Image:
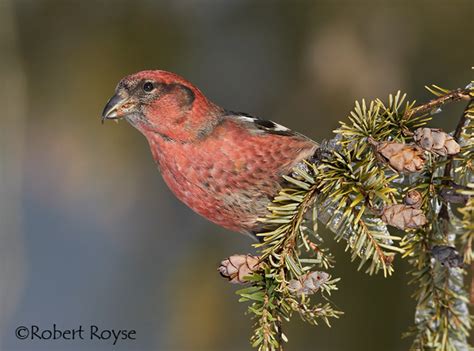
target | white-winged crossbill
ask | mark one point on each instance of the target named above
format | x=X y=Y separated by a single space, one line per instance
x=226 y=166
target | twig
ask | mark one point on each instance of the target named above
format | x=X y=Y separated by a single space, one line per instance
x=280 y=334
x=290 y=242
x=447 y=170
x=455 y=95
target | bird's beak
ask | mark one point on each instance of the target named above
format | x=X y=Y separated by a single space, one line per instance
x=116 y=107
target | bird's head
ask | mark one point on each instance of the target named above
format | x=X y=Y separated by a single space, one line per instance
x=163 y=103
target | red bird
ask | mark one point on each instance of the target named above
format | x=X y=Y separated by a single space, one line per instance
x=226 y=166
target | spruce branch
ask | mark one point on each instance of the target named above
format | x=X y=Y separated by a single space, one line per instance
x=442 y=320
x=443 y=97
x=383 y=169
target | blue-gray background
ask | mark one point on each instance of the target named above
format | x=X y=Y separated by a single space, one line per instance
x=89 y=234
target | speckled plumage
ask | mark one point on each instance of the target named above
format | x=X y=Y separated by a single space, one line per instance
x=225 y=166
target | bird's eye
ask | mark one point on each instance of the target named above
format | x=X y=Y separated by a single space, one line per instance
x=148 y=87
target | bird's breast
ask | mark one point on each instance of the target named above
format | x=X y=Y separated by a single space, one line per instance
x=228 y=179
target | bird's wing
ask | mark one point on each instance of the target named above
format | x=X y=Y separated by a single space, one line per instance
x=263 y=126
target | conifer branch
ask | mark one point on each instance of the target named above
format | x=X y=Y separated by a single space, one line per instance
x=443 y=96
x=384 y=168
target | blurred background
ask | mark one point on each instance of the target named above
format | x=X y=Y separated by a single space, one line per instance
x=89 y=233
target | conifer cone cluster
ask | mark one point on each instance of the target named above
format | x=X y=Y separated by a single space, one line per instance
x=401 y=157
x=237 y=267
x=407 y=215
x=413 y=198
x=308 y=283
x=436 y=141
x=447 y=256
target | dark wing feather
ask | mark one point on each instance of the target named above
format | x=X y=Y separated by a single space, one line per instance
x=262 y=125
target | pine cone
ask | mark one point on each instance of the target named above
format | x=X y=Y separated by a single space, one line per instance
x=403 y=216
x=237 y=267
x=413 y=198
x=436 y=141
x=308 y=283
x=447 y=256
x=402 y=157
x=451 y=194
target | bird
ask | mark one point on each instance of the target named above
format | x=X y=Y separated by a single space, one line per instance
x=226 y=166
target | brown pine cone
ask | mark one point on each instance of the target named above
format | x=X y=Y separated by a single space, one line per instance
x=237 y=267
x=402 y=157
x=436 y=141
x=308 y=283
x=403 y=216
x=413 y=198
